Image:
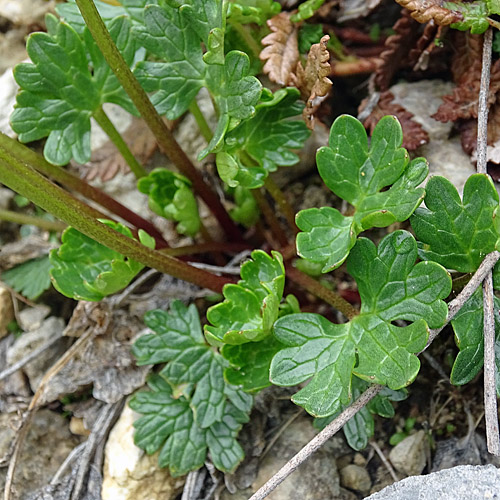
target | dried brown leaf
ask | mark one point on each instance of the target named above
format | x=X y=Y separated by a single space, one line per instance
x=413 y=133
x=467 y=54
x=462 y=103
x=419 y=55
x=313 y=81
x=281 y=51
x=397 y=49
x=425 y=10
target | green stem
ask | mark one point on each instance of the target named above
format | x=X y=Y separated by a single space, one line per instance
x=247 y=37
x=106 y=124
x=205 y=130
x=282 y=202
x=73 y=182
x=27 y=182
x=48 y=225
x=318 y=290
x=154 y=121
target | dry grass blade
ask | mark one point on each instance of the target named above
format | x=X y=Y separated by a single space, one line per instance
x=313 y=81
x=281 y=51
x=425 y=10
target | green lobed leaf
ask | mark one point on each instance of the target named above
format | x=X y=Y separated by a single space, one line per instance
x=170 y=196
x=309 y=34
x=252 y=11
x=263 y=142
x=191 y=407
x=306 y=10
x=493 y=6
x=31 y=278
x=475 y=16
x=458 y=234
x=250 y=363
x=360 y=428
x=391 y=287
x=468 y=327
x=358 y=174
x=251 y=307
x=86 y=270
x=180 y=73
x=246 y=210
x=59 y=92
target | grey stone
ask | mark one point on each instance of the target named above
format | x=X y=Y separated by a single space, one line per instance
x=30 y=341
x=130 y=474
x=423 y=99
x=409 y=456
x=355 y=478
x=470 y=482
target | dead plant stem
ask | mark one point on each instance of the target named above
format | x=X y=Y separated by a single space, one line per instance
x=490 y=397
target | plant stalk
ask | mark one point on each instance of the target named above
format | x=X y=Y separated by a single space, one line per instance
x=280 y=198
x=270 y=217
x=18 y=218
x=106 y=124
x=163 y=135
x=318 y=290
x=29 y=183
x=73 y=182
x=205 y=130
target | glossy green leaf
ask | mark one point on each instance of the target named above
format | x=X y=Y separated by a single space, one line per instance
x=30 y=278
x=236 y=94
x=358 y=174
x=468 y=328
x=475 y=16
x=260 y=144
x=370 y=346
x=171 y=196
x=250 y=363
x=86 y=270
x=251 y=307
x=457 y=234
x=60 y=91
x=252 y=11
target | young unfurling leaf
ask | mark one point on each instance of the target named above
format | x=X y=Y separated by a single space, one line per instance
x=369 y=346
x=358 y=174
x=170 y=196
x=86 y=270
x=251 y=307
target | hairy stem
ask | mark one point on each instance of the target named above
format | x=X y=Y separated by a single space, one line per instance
x=318 y=290
x=29 y=183
x=205 y=130
x=270 y=217
x=280 y=198
x=74 y=183
x=163 y=135
x=18 y=218
x=106 y=124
